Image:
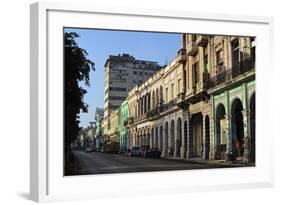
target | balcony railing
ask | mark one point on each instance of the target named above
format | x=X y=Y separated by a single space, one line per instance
x=181 y=56
x=227 y=74
x=180 y=97
x=161 y=108
x=167 y=106
x=202 y=40
x=153 y=113
x=192 y=48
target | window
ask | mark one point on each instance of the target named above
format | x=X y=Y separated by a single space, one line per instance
x=219 y=57
x=167 y=94
x=193 y=38
x=206 y=63
x=195 y=73
x=116 y=98
x=172 y=91
x=253 y=48
x=205 y=60
x=235 y=52
x=117 y=89
x=179 y=86
x=135 y=73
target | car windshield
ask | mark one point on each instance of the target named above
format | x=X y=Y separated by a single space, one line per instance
x=135 y=148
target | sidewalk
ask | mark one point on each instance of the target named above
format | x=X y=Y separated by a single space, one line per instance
x=237 y=163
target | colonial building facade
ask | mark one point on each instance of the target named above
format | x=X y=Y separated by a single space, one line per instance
x=202 y=104
x=123 y=117
x=122 y=73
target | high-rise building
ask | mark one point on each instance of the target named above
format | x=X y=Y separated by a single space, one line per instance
x=122 y=73
x=99 y=114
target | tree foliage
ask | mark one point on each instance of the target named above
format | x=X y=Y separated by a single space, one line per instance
x=77 y=69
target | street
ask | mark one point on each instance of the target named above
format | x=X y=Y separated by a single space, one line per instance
x=102 y=163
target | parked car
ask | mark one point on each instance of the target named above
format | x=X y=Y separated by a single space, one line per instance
x=111 y=147
x=89 y=149
x=135 y=151
x=152 y=153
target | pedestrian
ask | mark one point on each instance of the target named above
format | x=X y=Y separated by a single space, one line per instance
x=238 y=148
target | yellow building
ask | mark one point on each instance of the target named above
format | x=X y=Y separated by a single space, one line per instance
x=113 y=132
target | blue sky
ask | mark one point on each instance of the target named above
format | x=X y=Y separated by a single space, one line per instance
x=159 y=47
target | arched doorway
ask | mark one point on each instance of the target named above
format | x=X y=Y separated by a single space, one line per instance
x=156 y=138
x=172 y=138
x=179 y=137
x=161 y=94
x=207 y=137
x=161 y=139
x=197 y=134
x=237 y=128
x=147 y=138
x=253 y=128
x=220 y=132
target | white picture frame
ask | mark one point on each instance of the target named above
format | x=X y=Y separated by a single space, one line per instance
x=47 y=182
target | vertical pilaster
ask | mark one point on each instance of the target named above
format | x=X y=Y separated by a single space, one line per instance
x=228 y=152
x=183 y=147
x=165 y=143
x=189 y=151
x=159 y=137
x=151 y=138
x=155 y=138
x=246 y=135
x=176 y=137
x=204 y=138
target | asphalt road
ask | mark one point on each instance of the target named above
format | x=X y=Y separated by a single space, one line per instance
x=102 y=163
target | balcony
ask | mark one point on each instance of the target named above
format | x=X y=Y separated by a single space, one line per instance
x=181 y=56
x=202 y=40
x=180 y=99
x=168 y=106
x=228 y=74
x=153 y=113
x=192 y=48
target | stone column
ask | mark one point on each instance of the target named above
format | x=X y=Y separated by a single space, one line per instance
x=183 y=147
x=151 y=138
x=155 y=138
x=246 y=118
x=228 y=152
x=159 y=137
x=140 y=141
x=170 y=136
x=165 y=142
x=204 y=138
x=177 y=138
x=189 y=151
x=211 y=142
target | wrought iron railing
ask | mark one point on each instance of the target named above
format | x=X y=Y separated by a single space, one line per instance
x=227 y=74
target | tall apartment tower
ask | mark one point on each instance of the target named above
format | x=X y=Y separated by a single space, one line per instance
x=122 y=73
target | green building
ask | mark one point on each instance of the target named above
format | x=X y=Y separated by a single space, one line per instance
x=123 y=116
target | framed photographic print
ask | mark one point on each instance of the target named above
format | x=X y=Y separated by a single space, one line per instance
x=123 y=97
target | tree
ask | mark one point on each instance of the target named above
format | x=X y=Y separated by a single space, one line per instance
x=77 y=68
